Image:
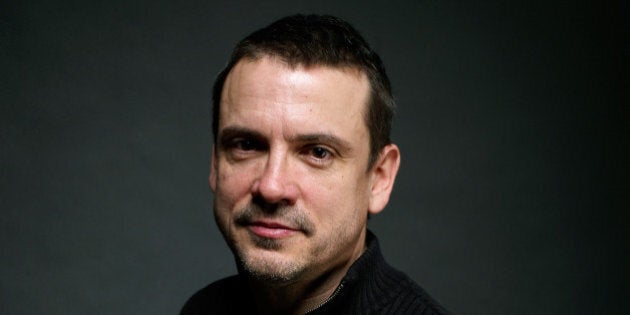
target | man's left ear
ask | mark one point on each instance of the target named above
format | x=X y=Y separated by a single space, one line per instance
x=383 y=175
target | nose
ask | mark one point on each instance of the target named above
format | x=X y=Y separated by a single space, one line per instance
x=277 y=182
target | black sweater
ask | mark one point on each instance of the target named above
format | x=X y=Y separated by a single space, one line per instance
x=371 y=286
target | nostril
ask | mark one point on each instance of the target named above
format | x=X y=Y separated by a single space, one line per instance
x=264 y=205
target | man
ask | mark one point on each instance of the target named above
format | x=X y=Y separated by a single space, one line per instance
x=301 y=158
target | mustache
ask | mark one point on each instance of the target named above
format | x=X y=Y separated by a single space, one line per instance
x=290 y=216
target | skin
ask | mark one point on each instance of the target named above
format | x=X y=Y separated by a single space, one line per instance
x=288 y=171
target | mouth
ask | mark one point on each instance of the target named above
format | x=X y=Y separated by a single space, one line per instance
x=271 y=229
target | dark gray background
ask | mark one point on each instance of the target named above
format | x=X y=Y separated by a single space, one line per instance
x=512 y=122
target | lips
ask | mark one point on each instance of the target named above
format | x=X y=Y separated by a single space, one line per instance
x=270 y=229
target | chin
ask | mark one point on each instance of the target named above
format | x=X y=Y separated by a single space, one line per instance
x=269 y=265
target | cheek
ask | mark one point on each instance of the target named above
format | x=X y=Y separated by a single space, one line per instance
x=338 y=197
x=233 y=185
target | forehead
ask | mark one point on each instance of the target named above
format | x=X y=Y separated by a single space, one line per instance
x=269 y=88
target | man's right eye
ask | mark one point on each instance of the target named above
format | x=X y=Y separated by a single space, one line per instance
x=242 y=148
x=244 y=144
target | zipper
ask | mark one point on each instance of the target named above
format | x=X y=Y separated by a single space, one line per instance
x=332 y=296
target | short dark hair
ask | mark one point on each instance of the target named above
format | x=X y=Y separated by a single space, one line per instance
x=326 y=40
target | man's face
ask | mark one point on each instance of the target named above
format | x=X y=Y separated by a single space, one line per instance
x=289 y=175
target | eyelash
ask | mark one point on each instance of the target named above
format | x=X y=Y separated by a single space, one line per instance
x=321 y=150
x=316 y=158
x=245 y=144
x=242 y=147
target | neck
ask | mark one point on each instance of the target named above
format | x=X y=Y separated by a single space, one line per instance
x=294 y=298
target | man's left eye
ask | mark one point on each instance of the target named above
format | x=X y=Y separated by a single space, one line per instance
x=320 y=153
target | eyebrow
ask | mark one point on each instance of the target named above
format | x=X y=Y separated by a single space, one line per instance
x=234 y=131
x=228 y=132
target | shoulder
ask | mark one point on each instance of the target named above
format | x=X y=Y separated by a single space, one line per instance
x=387 y=290
x=224 y=296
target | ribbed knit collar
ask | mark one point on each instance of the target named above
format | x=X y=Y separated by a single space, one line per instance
x=369 y=282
